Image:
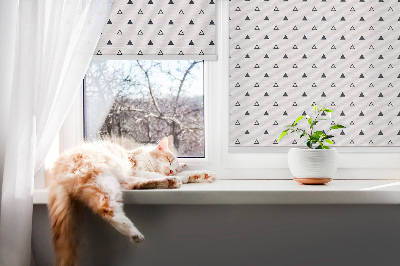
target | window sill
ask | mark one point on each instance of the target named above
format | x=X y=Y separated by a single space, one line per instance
x=264 y=192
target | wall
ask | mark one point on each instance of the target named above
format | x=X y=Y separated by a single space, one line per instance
x=237 y=235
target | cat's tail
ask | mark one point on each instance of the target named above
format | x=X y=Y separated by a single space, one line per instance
x=62 y=212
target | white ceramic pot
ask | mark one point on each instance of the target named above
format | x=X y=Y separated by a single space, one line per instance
x=310 y=166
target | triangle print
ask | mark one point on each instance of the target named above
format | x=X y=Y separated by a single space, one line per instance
x=343 y=55
x=184 y=28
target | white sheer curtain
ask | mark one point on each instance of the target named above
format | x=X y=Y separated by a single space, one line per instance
x=55 y=40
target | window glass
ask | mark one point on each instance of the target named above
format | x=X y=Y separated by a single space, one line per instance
x=140 y=102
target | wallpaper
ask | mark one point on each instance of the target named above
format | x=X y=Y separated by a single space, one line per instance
x=286 y=56
x=160 y=27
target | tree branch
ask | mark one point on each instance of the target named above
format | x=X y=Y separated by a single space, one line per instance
x=146 y=73
x=182 y=81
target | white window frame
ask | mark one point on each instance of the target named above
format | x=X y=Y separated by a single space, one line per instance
x=353 y=164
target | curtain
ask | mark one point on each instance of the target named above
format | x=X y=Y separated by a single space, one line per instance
x=55 y=41
x=159 y=29
x=287 y=56
x=8 y=19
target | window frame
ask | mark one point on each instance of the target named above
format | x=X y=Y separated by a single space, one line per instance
x=189 y=159
x=245 y=164
x=271 y=157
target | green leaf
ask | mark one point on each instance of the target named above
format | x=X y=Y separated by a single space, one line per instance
x=319 y=133
x=314 y=137
x=303 y=134
x=289 y=126
x=327 y=137
x=297 y=120
x=315 y=108
x=337 y=126
x=328 y=110
x=309 y=143
x=312 y=123
x=322 y=147
x=329 y=141
x=283 y=134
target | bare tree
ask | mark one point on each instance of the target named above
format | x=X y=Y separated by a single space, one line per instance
x=141 y=109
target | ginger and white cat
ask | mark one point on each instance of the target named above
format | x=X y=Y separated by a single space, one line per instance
x=94 y=175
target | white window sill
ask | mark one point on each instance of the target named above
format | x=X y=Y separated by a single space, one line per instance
x=264 y=192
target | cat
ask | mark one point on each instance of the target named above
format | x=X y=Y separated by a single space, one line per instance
x=94 y=174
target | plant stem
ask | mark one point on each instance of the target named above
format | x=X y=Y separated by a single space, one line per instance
x=299 y=129
x=319 y=112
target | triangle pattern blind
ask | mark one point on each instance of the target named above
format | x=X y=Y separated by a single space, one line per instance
x=286 y=56
x=159 y=29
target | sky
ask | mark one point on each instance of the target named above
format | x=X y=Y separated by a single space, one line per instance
x=197 y=83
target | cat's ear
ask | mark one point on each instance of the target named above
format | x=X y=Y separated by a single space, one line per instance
x=163 y=145
x=171 y=146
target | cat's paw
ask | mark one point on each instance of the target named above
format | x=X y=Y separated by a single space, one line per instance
x=210 y=177
x=174 y=182
x=201 y=176
x=137 y=237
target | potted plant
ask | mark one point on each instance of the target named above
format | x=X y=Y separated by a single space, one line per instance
x=317 y=163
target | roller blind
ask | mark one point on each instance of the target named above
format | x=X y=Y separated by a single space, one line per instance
x=288 y=55
x=159 y=29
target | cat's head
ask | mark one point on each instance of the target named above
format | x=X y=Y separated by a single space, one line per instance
x=165 y=162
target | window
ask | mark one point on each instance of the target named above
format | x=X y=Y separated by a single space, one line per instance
x=141 y=101
x=214 y=139
x=288 y=56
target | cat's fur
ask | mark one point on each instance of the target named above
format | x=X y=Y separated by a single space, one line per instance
x=94 y=174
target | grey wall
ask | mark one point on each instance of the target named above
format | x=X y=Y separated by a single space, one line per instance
x=237 y=235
